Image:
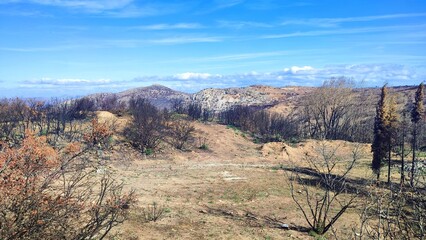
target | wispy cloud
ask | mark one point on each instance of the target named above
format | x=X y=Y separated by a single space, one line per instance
x=118 y=43
x=335 y=22
x=67 y=87
x=110 y=8
x=247 y=56
x=67 y=82
x=144 y=10
x=165 y=26
x=40 y=49
x=243 y=24
x=185 y=40
x=220 y=5
x=92 y=5
x=241 y=56
x=275 y=4
x=23 y=13
x=343 y=31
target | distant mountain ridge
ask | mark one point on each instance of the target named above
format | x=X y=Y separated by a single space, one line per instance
x=160 y=96
x=282 y=99
x=214 y=99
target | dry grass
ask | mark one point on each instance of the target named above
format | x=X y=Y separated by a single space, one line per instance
x=234 y=174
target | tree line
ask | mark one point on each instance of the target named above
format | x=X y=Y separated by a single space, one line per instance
x=393 y=129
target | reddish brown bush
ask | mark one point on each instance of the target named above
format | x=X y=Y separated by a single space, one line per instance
x=99 y=133
x=47 y=195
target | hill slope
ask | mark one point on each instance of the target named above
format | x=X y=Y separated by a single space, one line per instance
x=160 y=96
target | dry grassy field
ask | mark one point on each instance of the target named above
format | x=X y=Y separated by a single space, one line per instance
x=233 y=189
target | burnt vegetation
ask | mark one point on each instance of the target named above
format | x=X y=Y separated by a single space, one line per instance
x=54 y=183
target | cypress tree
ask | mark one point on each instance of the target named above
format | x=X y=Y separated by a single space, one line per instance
x=416 y=115
x=392 y=120
x=379 y=142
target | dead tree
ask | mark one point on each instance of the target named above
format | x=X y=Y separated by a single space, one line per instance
x=180 y=132
x=320 y=191
x=147 y=129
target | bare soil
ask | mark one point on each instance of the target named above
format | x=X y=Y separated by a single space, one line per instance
x=235 y=189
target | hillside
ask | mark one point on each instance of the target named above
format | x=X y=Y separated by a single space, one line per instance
x=160 y=96
x=265 y=96
x=278 y=99
x=207 y=193
x=229 y=180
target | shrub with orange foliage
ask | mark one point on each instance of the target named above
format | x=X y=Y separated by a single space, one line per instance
x=99 y=133
x=46 y=195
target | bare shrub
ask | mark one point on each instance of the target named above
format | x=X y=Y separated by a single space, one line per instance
x=153 y=212
x=395 y=213
x=202 y=143
x=180 y=132
x=324 y=194
x=147 y=129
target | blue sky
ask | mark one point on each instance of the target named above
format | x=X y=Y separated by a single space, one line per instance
x=71 y=48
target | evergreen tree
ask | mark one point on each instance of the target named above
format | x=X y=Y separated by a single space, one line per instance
x=416 y=115
x=379 y=146
x=392 y=120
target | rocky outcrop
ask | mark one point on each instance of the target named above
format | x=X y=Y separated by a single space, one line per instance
x=213 y=99
x=263 y=96
x=222 y=99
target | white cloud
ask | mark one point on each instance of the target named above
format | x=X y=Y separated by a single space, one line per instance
x=369 y=75
x=191 y=75
x=296 y=69
x=67 y=82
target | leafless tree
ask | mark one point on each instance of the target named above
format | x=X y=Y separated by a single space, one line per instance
x=320 y=190
x=147 y=129
x=178 y=106
x=337 y=111
x=395 y=213
x=195 y=110
x=180 y=132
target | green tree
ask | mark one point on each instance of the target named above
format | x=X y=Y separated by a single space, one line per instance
x=417 y=113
